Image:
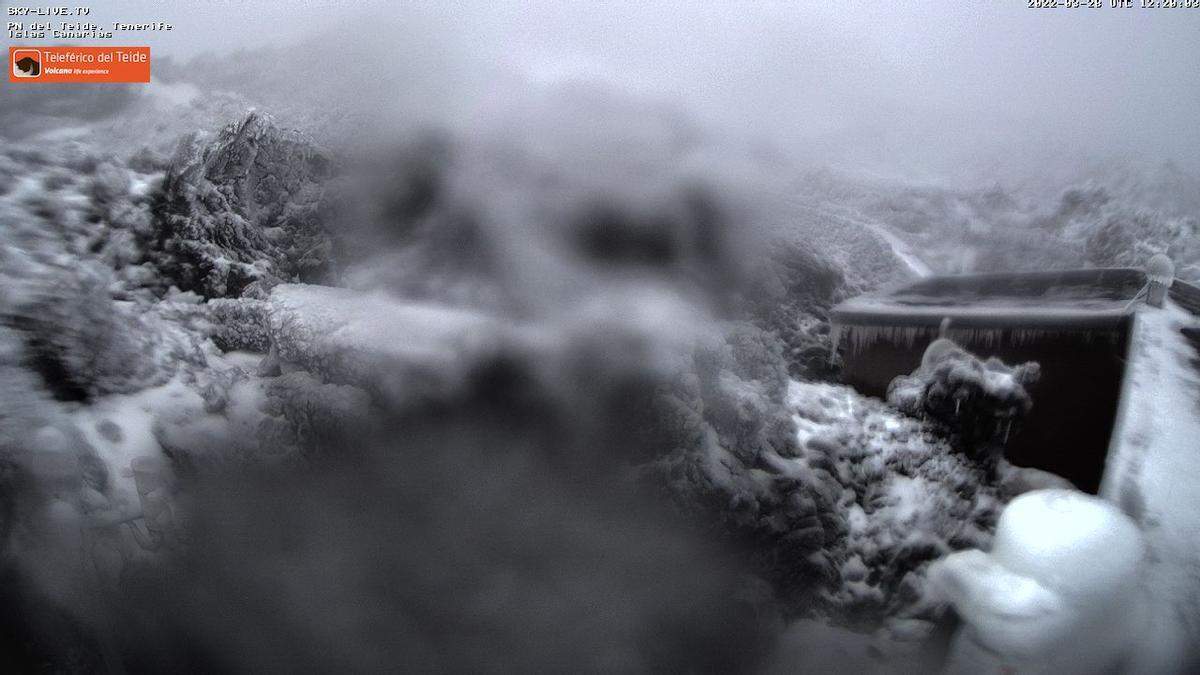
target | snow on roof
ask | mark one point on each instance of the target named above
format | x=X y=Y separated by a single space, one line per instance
x=1069 y=296
x=991 y=308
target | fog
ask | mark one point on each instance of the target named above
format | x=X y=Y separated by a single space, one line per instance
x=504 y=336
x=962 y=92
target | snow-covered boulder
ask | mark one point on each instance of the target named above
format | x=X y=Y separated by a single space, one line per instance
x=242 y=208
x=980 y=400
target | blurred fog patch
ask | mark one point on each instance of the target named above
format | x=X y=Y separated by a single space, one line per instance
x=34 y=110
x=470 y=556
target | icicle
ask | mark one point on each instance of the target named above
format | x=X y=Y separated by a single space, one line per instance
x=957 y=405
x=857 y=338
x=860 y=337
x=1007 y=429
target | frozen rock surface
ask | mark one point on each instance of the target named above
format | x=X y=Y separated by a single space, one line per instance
x=244 y=208
x=981 y=400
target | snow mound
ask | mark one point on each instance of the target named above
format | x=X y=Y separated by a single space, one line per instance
x=1060 y=590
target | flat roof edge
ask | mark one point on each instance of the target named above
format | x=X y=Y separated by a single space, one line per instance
x=1016 y=319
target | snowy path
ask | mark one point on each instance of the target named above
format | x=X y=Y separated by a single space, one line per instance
x=898 y=246
x=1153 y=469
x=901 y=249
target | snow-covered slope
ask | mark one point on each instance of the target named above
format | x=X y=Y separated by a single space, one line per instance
x=906 y=496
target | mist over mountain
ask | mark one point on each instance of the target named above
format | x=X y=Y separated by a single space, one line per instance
x=496 y=337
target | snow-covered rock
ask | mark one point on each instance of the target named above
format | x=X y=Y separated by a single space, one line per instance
x=847 y=501
x=981 y=400
x=239 y=324
x=83 y=343
x=242 y=208
x=906 y=498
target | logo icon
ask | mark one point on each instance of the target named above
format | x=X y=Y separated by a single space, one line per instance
x=26 y=63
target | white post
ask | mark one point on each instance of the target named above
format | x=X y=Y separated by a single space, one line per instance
x=1160 y=274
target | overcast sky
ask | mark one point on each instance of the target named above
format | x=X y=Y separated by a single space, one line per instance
x=880 y=84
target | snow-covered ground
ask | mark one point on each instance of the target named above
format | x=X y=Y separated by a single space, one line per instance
x=869 y=252
x=907 y=498
x=1153 y=469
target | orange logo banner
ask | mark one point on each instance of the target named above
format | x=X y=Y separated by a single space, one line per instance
x=78 y=64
